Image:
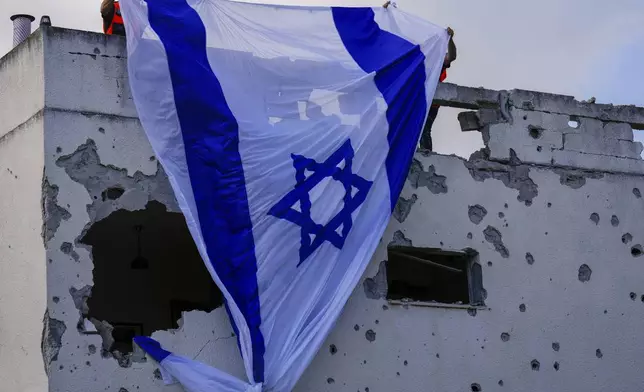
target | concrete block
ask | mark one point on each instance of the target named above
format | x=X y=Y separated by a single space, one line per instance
x=490 y=116
x=547 y=121
x=448 y=94
x=593 y=144
x=469 y=121
x=590 y=126
x=531 y=145
x=597 y=162
x=620 y=131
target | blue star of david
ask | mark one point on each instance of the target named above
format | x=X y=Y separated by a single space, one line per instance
x=314 y=234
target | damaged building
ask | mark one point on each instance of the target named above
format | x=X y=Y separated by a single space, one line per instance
x=517 y=269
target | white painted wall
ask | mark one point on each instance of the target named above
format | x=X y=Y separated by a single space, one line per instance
x=22 y=253
x=444 y=349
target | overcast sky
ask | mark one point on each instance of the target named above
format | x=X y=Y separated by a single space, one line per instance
x=576 y=47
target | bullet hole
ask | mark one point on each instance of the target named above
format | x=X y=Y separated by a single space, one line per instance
x=535 y=132
x=642 y=298
x=55 y=299
x=123 y=390
x=636 y=251
x=522 y=308
x=385 y=307
x=471 y=312
x=112 y=193
x=598 y=353
x=505 y=205
x=370 y=335
x=88 y=363
x=333 y=349
x=157 y=374
x=366 y=389
x=364 y=362
x=101 y=130
x=438 y=355
x=469 y=236
x=505 y=336
x=330 y=380
x=500 y=383
x=605 y=311
x=377 y=322
x=91 y=349
x=397 y=373
x=633 y=296
x=538 y=148
x=637 y=193
x=535 y=365
x=501 y=215
x=59 y=150
x=356 y=327
x=476 y=387
x=595 y=218
x=626 y=238
x=489 y=263
x=529 y=258
x=584 y=273
x=614 y=220
x=152 y=158
x=549 y=205
x=556 y=366
x=405 y=363
x=555 y=346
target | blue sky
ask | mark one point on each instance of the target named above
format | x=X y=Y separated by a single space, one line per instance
x=582 y=48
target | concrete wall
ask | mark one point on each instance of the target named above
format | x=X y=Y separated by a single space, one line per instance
x=569 y=303
x=22 y=254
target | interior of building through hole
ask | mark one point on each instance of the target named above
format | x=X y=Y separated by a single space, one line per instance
x=147 y=270
x=433 y=275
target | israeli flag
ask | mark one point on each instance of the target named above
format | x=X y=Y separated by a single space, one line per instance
x=287 y=134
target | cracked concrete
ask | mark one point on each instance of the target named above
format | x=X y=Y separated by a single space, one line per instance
x=400 y=239
x=513 y=175
x=476 y=213
x=403 y=207
x=376 y=287
x=51 y=340
x=84 y=166
x=494 y=237
x=420 y=178
x=53 y=214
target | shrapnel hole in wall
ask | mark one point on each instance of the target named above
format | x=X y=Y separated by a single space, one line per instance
x=434 y=275
x=147 y=271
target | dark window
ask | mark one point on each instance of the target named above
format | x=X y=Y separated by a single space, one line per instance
x=434 y=275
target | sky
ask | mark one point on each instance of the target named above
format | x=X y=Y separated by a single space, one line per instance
x=582 y=48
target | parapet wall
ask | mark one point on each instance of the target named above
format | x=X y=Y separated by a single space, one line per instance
x=548 y=129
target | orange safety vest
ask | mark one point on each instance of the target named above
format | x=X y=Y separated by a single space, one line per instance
x=116 y=26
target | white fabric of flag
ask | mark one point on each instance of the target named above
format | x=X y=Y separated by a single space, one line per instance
x=286 y=134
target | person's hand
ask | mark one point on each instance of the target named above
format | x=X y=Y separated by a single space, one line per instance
x=450 y=32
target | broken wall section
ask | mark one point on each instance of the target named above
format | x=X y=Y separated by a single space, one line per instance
x=554 y=130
